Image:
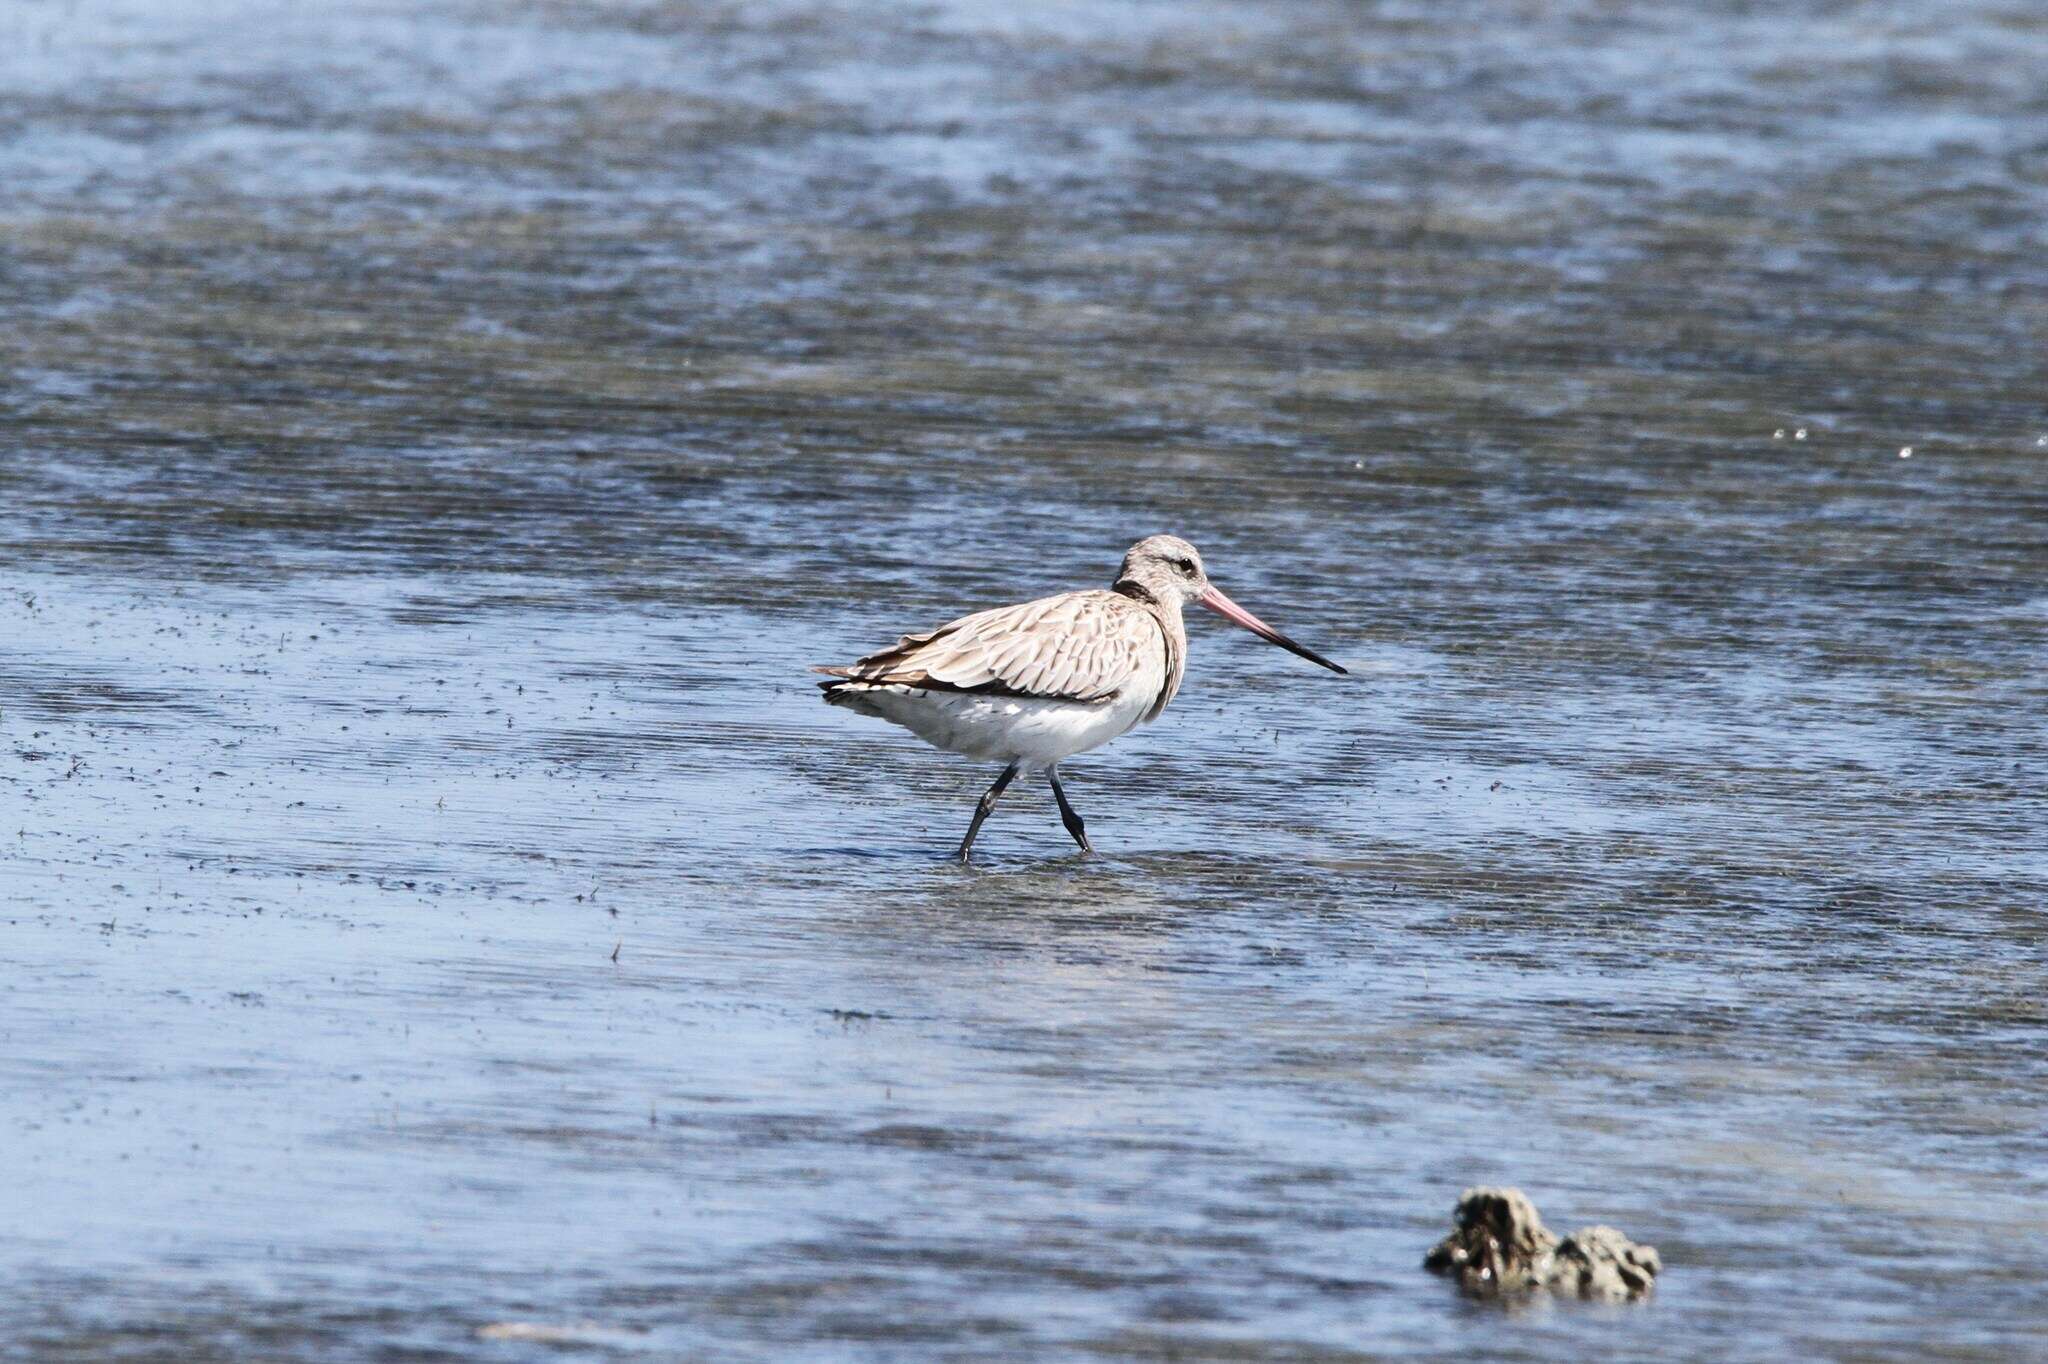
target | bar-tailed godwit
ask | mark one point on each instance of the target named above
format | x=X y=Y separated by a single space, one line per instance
x=1033 y=684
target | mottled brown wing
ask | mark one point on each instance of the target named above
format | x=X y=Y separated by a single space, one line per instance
x=1078 y=646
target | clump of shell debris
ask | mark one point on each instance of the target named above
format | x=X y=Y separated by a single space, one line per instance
x=1501 y=1248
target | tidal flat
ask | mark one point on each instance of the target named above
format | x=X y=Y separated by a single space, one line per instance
x=441 y=921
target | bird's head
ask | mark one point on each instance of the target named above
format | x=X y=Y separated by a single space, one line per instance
x=1168 y=571
x=1168 y=568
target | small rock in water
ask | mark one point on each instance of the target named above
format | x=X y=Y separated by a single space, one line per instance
x=1600 y=1262
x=1501 y=1244
x=1502 y=1247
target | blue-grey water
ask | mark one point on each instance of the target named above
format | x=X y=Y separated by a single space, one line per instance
x=440 y=922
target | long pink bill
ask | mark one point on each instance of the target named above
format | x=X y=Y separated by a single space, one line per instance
x=1231 y=611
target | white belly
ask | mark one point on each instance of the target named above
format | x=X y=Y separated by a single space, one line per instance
x=1001 y=728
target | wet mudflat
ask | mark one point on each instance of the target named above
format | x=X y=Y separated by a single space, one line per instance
x=434 y=439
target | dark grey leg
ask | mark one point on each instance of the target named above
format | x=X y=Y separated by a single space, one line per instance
x=1068 y=816
x=988 y=803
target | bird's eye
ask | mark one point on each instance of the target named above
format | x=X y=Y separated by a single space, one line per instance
x=1186 y=566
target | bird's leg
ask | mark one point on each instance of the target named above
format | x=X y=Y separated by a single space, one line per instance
x=988 y=803
x=1068 y=815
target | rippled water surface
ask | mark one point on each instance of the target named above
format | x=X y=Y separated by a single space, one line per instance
x=435 y=438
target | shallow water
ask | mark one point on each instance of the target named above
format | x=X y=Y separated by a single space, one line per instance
x=435 y=438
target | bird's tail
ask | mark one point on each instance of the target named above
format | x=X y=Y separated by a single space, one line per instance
x=841 y=683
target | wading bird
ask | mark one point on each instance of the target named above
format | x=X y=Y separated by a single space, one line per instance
x=1032 y=684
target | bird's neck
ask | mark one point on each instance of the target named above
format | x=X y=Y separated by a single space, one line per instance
x=1167 y=604
x=1173 y=638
